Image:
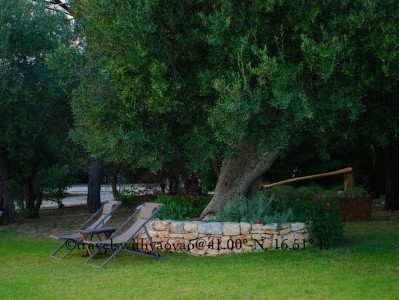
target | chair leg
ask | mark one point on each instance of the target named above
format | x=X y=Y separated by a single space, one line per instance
x=156 y=254
x=87 y=262
x=54 y=253
x=153 y=253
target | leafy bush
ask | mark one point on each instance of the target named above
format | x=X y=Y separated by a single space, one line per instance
x=318 y=207
x=54 y=182
x=252 y=210
x=134 y=195
x=355 y=192
x=280 y=217
x=326 y=222
x=127 y=196
x=181 y=207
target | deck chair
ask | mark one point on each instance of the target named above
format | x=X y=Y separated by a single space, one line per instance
x=125 y=234
x=96 y=221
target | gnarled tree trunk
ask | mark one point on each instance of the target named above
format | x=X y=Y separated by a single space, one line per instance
x=239 y=175
x=94 y=186
x=6 y=199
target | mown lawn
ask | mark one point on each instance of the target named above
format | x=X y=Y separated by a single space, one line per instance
x=364 y=266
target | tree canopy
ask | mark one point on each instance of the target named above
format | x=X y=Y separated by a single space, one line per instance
x=34 y=108
x=245 y=80
x=171 y=85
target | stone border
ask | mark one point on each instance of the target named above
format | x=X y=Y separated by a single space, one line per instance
x=215 y=238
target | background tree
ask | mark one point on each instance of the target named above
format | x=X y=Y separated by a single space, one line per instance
x=34 y=109
x=94 y=185
x=370 y=54
x=6 y=198
x=374 y=49
x=131 y=110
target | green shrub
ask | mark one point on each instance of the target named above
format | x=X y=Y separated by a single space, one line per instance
x=280 y=217
x=252 y=210
x=181 y=207
x=355 y=192
x=317 y=207
x=54 y=183
x=127 y=196
x=326 y=223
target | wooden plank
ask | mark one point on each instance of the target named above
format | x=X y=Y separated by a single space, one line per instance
x=338 y=172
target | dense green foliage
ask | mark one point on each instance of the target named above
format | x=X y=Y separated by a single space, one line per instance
x=34 y=107
x=138 y=100
x=258 y=209
x=174 y=208
x=57 y=180
x=190 y=79
x=355 y=192
x=160 y=84
x=181 y=207
x=318 y=207
x=127 y=196
x=369 y=54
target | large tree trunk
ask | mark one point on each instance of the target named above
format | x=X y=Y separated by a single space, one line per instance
x=6 y=198
x=173 y=175
x=34 y=197
x=114 y=184
x=192 y=186
x=114 y=170
x=94 y=186
x=391 y=170
x=239 y=175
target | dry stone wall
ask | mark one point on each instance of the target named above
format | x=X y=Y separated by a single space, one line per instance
x=215 y=238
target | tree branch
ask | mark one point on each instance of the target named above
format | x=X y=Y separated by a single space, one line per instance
x=58 y=3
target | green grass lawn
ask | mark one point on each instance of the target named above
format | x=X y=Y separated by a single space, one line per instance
x=364 y=266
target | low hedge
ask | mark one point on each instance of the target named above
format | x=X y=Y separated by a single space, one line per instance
x=181 y=207
x=314 y=205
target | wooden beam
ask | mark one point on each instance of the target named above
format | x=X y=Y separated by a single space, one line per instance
x=343 y=171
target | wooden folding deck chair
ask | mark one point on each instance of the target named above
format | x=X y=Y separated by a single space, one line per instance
x=126 y=234
x=96 y=221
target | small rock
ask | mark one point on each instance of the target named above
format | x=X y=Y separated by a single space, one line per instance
x=152 y=233
x=245 y=228
x=212 y=252
x=231 y=228
x=289 y=239
x=210 y=228
x=176 y=235
x=285 y=231
x=257 y=228
x=224 y=251
x=297 y=226
x=163 y=234
x=190 y=227
x=160 y=225
x=191 y=236
x=271 y=226
x=266 y=244
x=177 y=227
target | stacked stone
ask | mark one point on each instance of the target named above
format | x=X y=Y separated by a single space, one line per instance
x=215 y=238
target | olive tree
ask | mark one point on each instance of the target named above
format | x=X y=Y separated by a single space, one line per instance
x=246 y=81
